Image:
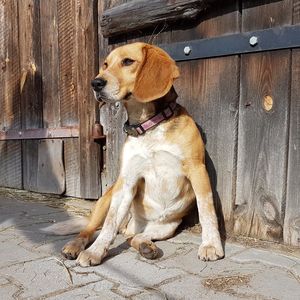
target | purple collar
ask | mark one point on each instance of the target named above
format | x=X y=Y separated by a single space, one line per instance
x=140 y=129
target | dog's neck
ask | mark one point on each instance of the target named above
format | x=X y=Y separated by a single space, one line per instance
x=139 y=112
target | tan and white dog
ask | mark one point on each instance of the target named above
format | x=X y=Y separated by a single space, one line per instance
x=162 y=165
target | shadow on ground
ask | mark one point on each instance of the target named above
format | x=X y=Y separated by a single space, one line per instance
x=24 y=215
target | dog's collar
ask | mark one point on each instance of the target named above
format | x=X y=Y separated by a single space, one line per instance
x=139 y=129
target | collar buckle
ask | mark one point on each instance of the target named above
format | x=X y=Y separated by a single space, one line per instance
x=130 y=130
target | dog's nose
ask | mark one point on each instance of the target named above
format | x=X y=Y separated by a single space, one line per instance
x=98 y=84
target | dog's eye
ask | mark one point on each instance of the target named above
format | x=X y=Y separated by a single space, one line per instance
x=127 y=62
x=105 y=65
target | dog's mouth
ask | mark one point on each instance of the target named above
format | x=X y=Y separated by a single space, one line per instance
x=102 y=97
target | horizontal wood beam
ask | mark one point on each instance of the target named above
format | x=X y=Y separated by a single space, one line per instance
x=140 y=14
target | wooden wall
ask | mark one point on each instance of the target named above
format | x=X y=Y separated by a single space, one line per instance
x=247 y=108
x=49 y=54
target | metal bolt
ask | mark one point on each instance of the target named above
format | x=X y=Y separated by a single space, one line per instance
x=253 y=40
x=187 y=50
x=104 y=148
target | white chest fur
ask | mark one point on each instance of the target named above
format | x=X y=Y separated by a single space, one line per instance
x=159 y=164
x=150 y=151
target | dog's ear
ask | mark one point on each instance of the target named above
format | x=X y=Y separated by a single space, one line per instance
x=155 y=76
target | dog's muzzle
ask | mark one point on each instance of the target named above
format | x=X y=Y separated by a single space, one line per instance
x=98 y=84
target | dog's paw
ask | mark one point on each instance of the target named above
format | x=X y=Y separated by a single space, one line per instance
x=89 y=258
x=148 y=250
x=72 y=249
x=210 y=252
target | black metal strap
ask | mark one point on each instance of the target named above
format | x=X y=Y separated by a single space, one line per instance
x=285 y=37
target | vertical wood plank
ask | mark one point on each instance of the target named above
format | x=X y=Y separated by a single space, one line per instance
x=50 y=63
x=263 y=129
x=112 y=117
x=10 y=116
x=291 y=233
x=72 y=167
x=68 y=92
x=49 y=172
x=31 y=64
x=87 y=58
x=31 y=84
x=67 y=62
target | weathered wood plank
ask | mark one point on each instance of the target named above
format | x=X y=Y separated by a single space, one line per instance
x=10 y=116
x=50 y=171
x=292 y=214
x=112 y=117
x=67 y=62
x=67 y=90
x=263 y=130
x=30 y=164
x=11 y=164
x=31 y=83
x=140 y=14
x=266 y=14
x=50 y=63
x=291 y=233
x=72 y=167
x=87 y=58
x=31 y=64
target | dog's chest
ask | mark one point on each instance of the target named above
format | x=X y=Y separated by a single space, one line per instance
x=151 y=153
x=158 y=162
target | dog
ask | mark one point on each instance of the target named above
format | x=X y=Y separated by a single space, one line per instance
x=162 y=169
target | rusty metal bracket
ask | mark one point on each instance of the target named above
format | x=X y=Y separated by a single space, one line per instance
x=40 y=133
x=284 y=37
x=97 y=132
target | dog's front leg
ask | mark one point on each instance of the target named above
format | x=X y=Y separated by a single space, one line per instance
x=122 y=196
x=211 y=247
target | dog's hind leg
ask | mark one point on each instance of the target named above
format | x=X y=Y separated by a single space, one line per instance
x=72 y=249
x=143 y=242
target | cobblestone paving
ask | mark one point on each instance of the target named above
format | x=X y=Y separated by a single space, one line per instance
x=32 y=268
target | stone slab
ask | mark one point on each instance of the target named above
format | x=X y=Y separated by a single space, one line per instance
x=265 y=257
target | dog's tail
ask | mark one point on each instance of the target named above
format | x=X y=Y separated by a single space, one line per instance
x=73 y=225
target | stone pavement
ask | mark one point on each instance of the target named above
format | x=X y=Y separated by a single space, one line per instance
x=32 y=268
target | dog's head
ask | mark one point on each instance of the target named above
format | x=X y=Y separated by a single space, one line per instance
x=144 y=71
